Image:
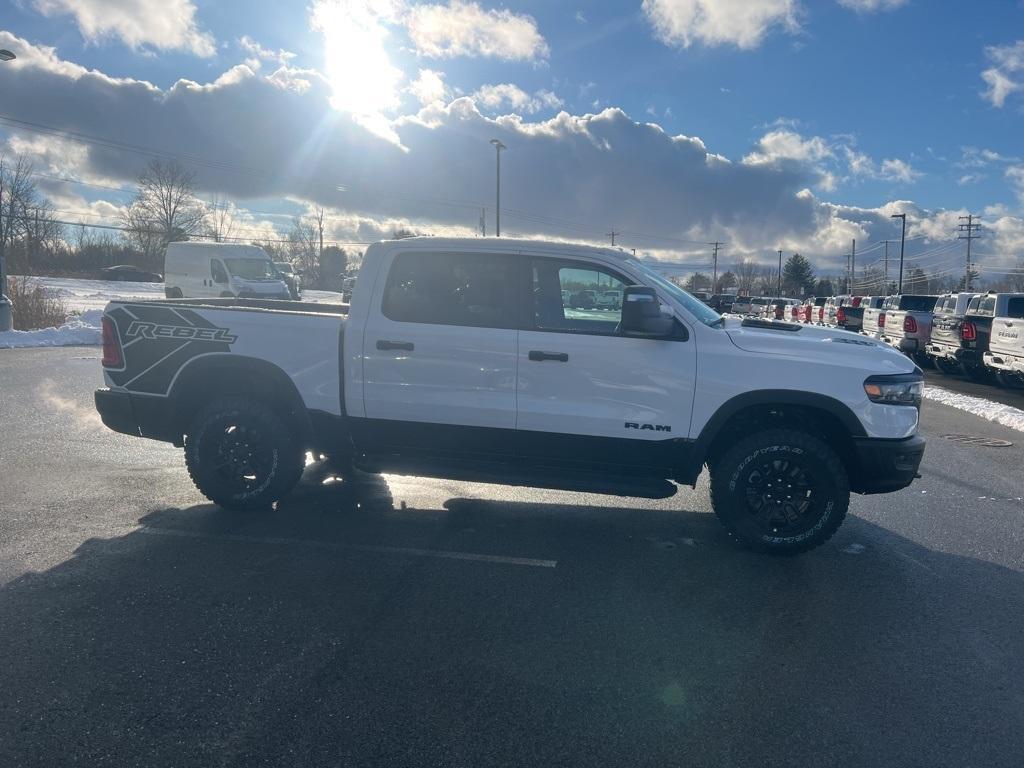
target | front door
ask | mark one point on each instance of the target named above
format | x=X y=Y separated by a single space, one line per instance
x=440 y=355
x=588 y=395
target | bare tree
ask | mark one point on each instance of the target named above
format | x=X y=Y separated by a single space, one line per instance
x=304 y=245
x=27 y=226
x=221 y=219
x=746 y=274
x=165 y=209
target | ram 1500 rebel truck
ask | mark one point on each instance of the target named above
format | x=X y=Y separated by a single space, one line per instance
x=1005 y=355
x=458 y=359
x=908 y=323
x=944 y=345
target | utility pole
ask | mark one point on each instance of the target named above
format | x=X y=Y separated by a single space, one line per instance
x=6 y=321
x=903 y=242
x=498 y=146
x=714 y=261
x=483 y=222
x=885 y=267
x=853 y=266
x=778 y=290
x=967 y=233
x=612 y=235
x=320 y=227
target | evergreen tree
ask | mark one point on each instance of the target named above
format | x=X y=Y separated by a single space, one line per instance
x=797 y=276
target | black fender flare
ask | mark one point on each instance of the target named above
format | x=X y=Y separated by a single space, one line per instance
x=769 y=397
x=259 y=375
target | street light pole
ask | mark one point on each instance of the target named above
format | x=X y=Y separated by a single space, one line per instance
x=778 y=290
x=498 y=146
x=6 y=320
x=903 y=241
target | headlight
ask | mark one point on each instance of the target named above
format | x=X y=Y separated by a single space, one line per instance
x=902 y=389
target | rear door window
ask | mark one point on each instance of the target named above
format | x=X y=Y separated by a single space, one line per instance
x=468 y=289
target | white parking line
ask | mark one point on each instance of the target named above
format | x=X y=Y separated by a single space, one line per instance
x=331 y=545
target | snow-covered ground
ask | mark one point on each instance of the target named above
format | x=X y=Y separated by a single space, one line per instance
x=1006 y=415
x=85 y=299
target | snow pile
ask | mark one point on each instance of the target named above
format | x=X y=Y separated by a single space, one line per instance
x=82 y=295
x=1006 y=415
x=78 y=330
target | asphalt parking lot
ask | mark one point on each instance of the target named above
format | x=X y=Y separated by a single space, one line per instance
x=398 y=621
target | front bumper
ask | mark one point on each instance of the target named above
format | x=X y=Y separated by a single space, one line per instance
x=886 y=465
x=138 y=415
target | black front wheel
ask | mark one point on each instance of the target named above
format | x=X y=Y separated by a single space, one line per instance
x=781 y=491
x=241 y=455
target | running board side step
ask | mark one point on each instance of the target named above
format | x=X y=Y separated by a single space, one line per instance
x=524 y=477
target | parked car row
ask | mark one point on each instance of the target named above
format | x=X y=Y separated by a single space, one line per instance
x=980 y=335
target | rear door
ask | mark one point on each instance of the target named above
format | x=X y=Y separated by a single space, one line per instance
x=1008 y=329
x=589 y=396
x=439 y=355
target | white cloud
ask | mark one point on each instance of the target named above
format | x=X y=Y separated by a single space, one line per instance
x=429 y=86
x=580 y=17
x=465 y=29
x=898 y=170
x=743 y=23
x=969 y=178
x=784 y=144
x=1006 y=75
x=869 y=6
x=162 y=24
x=258 y=54
x=494 y=97
x=1015 y=177
x=890 y=169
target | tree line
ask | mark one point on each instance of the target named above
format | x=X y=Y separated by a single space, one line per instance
x=164 y=209
x=799 y=281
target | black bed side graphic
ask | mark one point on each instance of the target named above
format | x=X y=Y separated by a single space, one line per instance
x=158 y=341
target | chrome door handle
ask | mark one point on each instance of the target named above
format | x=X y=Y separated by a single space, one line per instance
x=537 y=355
x=383 y=344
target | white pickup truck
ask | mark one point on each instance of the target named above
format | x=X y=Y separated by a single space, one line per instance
x=1005 y=355
x=458 y=359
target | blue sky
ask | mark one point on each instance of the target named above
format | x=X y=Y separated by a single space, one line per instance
x=861 y=102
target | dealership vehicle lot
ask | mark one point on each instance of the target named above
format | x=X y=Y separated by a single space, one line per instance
x=406 y=621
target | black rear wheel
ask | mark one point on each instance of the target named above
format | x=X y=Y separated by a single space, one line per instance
x=947 y=367
x=241 y=455
x=781 y=491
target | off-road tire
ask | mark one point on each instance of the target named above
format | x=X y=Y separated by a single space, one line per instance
x=948 y=367
x=742 y=472
x=241 y=454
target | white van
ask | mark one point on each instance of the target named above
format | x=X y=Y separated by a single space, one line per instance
x=203 y=270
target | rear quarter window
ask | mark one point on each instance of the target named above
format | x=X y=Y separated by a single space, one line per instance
x=1015 y=307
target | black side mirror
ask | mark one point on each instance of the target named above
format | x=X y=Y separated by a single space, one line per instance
x=641 y=313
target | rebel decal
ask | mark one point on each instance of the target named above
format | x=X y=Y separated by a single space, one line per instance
x=158 y=340
x=154 y=331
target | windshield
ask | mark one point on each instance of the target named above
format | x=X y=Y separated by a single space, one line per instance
x=284 y=267
x=694 y=306
x=252 y=269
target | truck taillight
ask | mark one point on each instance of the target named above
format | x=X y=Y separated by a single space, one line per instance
x=821 y=313
x=856 y=301
x=840 y=316
x=909 y=324
x=112 y=357
x=881 y=319
x=968 y=332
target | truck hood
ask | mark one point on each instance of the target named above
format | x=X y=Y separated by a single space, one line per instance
x=815 y=342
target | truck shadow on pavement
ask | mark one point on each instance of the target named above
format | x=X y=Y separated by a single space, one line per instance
x=326 y=633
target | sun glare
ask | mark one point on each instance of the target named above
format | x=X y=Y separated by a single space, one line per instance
x=356 y=62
